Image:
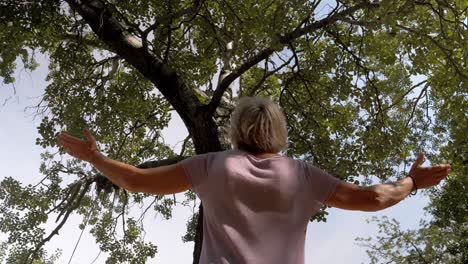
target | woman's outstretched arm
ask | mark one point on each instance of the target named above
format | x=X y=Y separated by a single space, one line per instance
x=161 y=180
x=380 y=196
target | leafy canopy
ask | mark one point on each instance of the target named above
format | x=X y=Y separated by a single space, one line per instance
x=364 y=84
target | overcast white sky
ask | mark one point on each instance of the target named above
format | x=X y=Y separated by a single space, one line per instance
x=327 y=243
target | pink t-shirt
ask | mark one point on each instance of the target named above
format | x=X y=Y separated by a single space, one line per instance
x=256 y=210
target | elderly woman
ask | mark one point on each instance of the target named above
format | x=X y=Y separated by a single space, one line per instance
x=257 y=202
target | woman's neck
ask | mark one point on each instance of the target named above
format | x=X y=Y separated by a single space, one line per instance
x=259 y=154
x=265 y=155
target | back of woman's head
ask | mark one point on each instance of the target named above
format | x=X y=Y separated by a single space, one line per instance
x=258 y=125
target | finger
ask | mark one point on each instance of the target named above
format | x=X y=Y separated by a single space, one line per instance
x=72 y=153
x=58 y=140
x=67 y=150
x=442 y=166
x=418 y=161
x=69 y=142
x=440 y=175
x=443 y=175
x=67 y=145
x=68 y=138
x=438 y=168
x=88 y=135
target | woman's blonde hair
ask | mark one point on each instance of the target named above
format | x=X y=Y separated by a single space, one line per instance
x=258 y=125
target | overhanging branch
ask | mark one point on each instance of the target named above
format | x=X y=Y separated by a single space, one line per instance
x=192 y=10
x=158 y=163
x=447 y=52
x=116 y=36
x=84 y=40
x=33 y=253
x=283 y=40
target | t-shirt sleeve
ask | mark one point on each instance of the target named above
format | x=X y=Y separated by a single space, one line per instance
x=320 y=185
x=196 y=170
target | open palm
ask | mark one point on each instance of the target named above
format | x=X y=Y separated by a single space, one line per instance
x=81 y=149
x=426 y=177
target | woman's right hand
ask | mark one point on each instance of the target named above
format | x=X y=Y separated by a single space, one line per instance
x=426 y=177
x=81 y=149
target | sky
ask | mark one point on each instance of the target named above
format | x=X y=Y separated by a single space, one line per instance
x=326 y=243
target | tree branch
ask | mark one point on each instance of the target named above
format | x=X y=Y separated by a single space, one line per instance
x=424 y=90
x=267 y=74
x=158 y=163
x=65 y=218
x=122 y=42
x=447 y=52
x=83 y=39
x=283 y=40
x=367 y=71
x=192 y=10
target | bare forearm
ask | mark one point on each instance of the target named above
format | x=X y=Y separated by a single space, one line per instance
x=117 y=172
x=388 y=194
x=380 y=196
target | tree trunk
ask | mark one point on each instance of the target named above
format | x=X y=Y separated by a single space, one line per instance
x=205 y=136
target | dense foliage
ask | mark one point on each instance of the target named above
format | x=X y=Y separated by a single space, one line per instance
x=364 y=84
